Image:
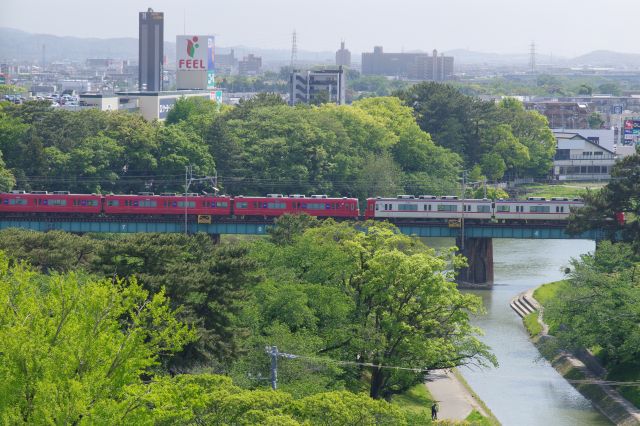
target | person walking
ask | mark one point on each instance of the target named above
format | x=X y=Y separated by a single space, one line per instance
x=434 y=411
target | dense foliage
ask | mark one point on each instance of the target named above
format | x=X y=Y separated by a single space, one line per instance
x=375 y=297
x=260 y=146
x=504 y=139
x=70 y=347
x=322 y=290
x=603 y=207
x=77 y=350
x=205 y=281
x=600 y=307
x=376 y=146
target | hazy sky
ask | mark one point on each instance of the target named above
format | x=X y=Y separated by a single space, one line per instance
x=562 y=27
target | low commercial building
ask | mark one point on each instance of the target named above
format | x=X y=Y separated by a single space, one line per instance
x=156 y=105
x=579 y=159
x=567 y=115
x=99 y=101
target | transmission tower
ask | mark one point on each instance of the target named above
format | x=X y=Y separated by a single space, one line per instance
x=532 y=57
x=294 y=49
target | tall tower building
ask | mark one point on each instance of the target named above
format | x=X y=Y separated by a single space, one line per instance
x=150 y=50
x=343 y=56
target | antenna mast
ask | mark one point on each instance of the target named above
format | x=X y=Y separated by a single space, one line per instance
x=294 y=49
x=532 y=57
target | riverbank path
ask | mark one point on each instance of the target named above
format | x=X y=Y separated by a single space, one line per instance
x=455 y=401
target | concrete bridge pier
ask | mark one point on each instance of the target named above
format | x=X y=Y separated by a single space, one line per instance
x=479 y=254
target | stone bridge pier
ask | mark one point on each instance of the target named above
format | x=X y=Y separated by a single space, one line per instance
x=479 y=254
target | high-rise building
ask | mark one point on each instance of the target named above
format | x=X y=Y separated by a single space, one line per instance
x=318 y=87
x=150 y=50
x=416 y=66
x=343 y=56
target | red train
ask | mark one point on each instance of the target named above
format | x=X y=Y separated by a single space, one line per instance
x=149 y=204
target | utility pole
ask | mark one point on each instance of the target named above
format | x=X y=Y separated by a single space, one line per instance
x=188 y=180
x=273 y=353
x=188 y=172
x=464 y=191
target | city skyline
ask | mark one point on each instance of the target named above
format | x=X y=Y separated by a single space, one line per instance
x=494 y=26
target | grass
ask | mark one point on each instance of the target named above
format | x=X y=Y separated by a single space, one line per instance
x=416 y=400
x=547 y=292
x=568 y=190
x=477 y=419
x=532 y=325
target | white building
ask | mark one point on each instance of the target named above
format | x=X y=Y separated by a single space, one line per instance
x=578 y=158
x=603 y=137
x=314 y=87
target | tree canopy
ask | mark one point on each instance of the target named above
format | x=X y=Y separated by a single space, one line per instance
x=393 y=303
x=502 y=138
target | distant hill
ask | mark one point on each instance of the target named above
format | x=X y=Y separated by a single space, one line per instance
x=20 y=45
x=463 y=56
x=607 y=58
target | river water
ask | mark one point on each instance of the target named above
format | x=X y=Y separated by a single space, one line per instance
x=525 y=389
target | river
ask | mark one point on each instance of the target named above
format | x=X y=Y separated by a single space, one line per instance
x=525 y=389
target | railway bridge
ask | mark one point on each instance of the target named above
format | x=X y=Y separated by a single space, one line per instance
x=474 y=239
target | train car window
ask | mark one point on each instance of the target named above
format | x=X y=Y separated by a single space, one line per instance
x=148 y=203
x=18 y=201
x=377 y=207
x=504 y=208
x=484 y=209
x=188 y=204
x=242 y=204
x=276 y=205
x=408 y=207
x=57 y=202
x=539 y=209
x=317 y=206
x=447 y=208
x=222 y=204
x=113 y=203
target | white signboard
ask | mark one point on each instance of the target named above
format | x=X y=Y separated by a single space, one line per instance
x=194 y=61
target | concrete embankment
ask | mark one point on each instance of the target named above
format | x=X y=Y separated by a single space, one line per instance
x=582 y=369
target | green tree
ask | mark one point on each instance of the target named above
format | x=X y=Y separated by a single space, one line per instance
x=595 y=121
x=600 y=307
x=585 y=89
x=186 y=108
x=204 y=281
x=611 y=88
x=70 y=345
x=7 y=180
x=603 y=208
x=398 y=303
x=493 y=166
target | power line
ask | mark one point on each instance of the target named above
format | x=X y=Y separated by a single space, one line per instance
x=273 y=352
